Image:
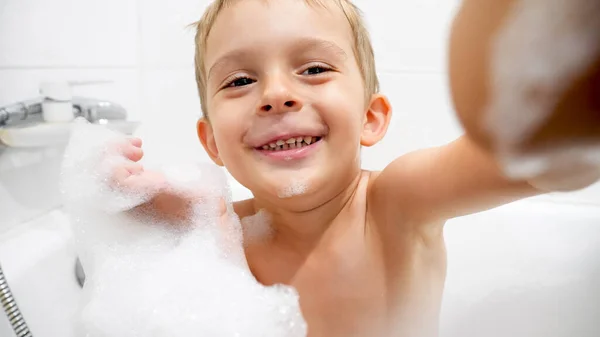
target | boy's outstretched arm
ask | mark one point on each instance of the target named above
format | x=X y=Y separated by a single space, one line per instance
x=462 y=178
x=440 y=183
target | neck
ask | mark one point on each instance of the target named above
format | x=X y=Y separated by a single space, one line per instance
x=302 y=230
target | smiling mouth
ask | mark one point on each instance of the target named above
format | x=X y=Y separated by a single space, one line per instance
x=289 y=144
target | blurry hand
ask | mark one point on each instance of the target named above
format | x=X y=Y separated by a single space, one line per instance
x=166 y=203
x=527 y=90
x=131 y=177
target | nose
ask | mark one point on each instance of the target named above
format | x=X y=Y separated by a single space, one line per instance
x=279 y=97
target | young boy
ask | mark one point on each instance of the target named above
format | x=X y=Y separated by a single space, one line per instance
x=290 y=94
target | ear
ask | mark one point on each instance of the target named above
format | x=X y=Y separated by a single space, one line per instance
x=207 y=138
x=377 y=120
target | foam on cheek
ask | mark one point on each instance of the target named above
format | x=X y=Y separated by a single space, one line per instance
x=294 y=188
x=145 y=277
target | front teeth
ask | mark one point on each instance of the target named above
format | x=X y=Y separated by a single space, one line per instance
x=292 y=143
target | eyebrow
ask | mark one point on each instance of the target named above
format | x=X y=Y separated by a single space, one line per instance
x=299 y=47
x=222 y=61
x=315 y=43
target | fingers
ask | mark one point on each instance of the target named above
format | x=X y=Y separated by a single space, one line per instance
x=122 y=174
x=130 y=148
x=132 y=177
x=137 y=142
x=132 y=152
x=127 y=175
x=134 y=168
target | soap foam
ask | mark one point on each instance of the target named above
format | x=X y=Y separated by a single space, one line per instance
x=146 y=277
x=294 y=188
x=257 y=227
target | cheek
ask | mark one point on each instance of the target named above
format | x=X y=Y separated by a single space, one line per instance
x=227 y=135
x=343 y=107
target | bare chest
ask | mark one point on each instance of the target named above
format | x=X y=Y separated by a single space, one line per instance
x=372 y=294
x=340 y=294
x=343 y=293
x=355 y=284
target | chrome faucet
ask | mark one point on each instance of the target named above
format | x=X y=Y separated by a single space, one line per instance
x=30 y=111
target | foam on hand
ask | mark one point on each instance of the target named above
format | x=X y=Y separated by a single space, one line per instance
x=146 y=277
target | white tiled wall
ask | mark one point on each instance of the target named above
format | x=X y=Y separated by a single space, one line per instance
x=165 y=35
x=68 y=33
x=144 y=50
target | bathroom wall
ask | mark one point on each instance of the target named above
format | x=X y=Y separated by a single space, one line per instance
x=140 y=54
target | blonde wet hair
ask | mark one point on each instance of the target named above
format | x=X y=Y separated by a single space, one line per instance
x=363 y=49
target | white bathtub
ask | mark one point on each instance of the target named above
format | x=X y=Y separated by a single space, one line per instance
x=528 y=269
x=38 y=260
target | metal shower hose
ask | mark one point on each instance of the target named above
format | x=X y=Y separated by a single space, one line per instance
x=11 y=309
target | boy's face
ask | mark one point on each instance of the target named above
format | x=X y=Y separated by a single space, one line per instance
x=281 y=70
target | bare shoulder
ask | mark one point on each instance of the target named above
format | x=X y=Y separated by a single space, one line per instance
x=400 y=218
x=413 y=253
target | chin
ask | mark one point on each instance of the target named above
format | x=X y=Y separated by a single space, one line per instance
x=295 y=186
x=294 y=192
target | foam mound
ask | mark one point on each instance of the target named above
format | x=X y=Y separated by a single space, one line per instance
x=145 y=277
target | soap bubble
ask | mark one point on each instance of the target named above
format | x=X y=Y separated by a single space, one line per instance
x=146 y=276
x=257 y=227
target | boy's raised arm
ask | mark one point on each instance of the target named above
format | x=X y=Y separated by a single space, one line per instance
x=440 y=183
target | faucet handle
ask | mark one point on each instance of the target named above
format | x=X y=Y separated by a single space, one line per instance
x=95 y=110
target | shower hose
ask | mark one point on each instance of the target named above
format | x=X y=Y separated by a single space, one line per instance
x=11 y=309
